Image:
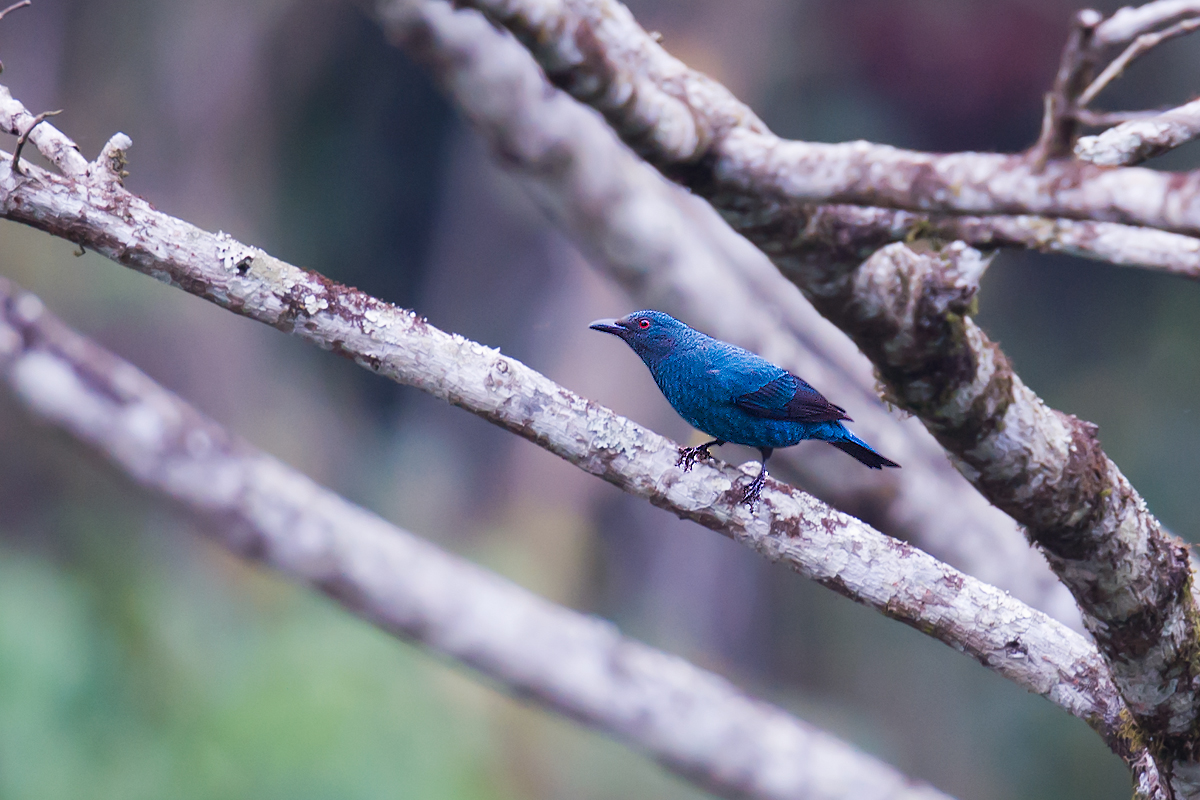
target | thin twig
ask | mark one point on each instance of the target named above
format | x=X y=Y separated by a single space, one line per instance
x=16 y=156
x=1140 y=46
x=1134 y=142
x=1103 y=119
x=1059 y=126
x=14 y=7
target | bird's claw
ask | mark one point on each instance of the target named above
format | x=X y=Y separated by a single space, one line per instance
x=751 y=495
x=688 y=456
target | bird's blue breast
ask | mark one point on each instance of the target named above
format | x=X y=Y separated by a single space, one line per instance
x=702 y=381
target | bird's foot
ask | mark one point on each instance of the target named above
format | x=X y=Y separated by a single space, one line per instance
x=750 y=496
x=688 y=456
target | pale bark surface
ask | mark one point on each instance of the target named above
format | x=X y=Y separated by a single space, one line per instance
x=909 y=312
x=692 y=128
x=788 y=526
x=848 y=234
x=881 y=241
x=694 y=722
x=1138 y=140
x=674 y=253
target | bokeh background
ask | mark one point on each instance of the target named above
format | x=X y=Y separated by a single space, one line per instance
x=138 y=661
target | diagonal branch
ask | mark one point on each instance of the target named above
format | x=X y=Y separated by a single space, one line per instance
x=693 y=722
x=909 y=312
x=789 y=526
x=673 y=252
x=1133 y=581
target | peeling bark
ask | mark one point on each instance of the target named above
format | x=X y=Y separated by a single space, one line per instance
x=1131 y=578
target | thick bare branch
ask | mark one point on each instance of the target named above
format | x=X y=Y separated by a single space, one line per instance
x=758 y=174
x=1134 y=142
x=671 y=251
x=1133 y=581
x=696 y=132
x=692 y=721
x=847 y=234
x=789 y=526
x=909 y=313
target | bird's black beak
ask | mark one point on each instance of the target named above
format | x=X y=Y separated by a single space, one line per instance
x=612 y=326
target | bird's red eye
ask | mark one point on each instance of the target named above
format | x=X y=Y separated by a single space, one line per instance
x=643 y=323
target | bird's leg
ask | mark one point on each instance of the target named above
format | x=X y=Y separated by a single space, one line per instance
x=750 y=497
x=688 y=455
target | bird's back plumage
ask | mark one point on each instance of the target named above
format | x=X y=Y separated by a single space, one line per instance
x=788 y=397
x=740 y=397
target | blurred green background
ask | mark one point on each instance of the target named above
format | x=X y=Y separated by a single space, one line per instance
x=138 y=661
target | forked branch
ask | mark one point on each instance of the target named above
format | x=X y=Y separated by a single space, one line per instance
x=789 y=526
x=909 y=311
x=673 y=252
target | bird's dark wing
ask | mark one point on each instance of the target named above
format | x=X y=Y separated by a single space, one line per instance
x=788 y=397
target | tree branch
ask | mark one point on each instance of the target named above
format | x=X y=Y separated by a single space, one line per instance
x=49 y=140
x=845 y=235
x=1134 y=142
x=673 y=252
x=1130 y=22
x=1140 y=46
x=850 y=233
x=789 y=526
x=1132 y=580
x=909 y=314
x=1074 y=89
x=696 y=132
x=1059 y=123
x=693 y=722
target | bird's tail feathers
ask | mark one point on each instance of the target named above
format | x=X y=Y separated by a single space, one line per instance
x=862 y=451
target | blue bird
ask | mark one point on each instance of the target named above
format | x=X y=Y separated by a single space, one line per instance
x=734 y=395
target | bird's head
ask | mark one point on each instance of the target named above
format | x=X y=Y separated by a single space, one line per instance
x=651 y=334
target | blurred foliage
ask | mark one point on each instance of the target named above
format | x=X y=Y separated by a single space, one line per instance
x=136 y=661
x=135 y=668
